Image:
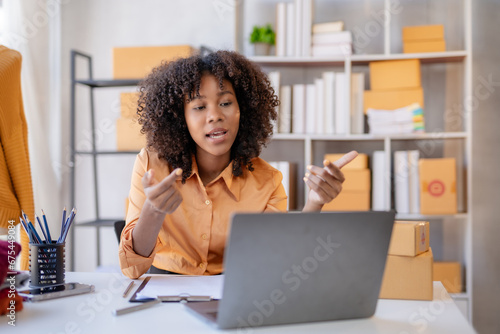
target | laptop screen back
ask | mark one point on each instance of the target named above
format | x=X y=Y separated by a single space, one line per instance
x=283 y=268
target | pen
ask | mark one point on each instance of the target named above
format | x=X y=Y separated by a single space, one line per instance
x=134 y=308
x=127 y=290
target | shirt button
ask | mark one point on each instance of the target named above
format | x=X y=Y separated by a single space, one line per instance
x=204 y=236
x=207 y=202
x=202 y=265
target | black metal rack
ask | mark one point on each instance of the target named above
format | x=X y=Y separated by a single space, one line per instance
x=98 y=222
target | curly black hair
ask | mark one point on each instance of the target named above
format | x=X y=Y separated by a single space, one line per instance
x=163 y=94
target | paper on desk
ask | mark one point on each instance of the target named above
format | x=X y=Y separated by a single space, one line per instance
x=176 y=285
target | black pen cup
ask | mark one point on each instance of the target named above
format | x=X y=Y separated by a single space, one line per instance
x=47 y=264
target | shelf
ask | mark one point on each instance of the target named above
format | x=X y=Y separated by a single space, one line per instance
x=105 y=152
x=369 y=137
x=416 y=216
x=99 y=222
x=461 y=295
x=108 y=83
x=426 y=58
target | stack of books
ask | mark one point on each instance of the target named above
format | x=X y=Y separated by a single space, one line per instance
x=329 y=40
x=409 y=119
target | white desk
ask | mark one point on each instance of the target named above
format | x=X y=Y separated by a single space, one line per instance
x=91 y=313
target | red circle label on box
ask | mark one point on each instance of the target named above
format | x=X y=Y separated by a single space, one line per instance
x=436 y=188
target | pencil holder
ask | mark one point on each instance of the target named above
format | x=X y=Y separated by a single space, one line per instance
x=47 y=264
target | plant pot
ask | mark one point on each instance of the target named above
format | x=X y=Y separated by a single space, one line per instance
x=262 y=49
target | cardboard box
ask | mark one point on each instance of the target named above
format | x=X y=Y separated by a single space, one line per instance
x=450 y=274
x=393 y=99
x=438 y=194
x=395 y=74
x=128 y=135
x=128 y=105
x=137 y=62
x=424 y=32
x=408 y=277
x=356 y=180
x=349 y=201
x=431 y=45
x=409 y=238
x=360 y=162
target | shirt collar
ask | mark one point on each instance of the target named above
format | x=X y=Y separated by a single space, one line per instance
x=232 y=182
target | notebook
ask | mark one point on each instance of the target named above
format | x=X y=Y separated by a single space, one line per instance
x=284 y=268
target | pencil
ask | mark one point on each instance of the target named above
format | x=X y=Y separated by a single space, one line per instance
x=127 y=290
x=46 y=227
x=25 y=229
x=62 y=223
x=35 y=234
x=134 y=308
x=41 y=227
x=67 y=225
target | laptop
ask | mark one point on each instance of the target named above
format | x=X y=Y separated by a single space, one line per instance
x=284 y=268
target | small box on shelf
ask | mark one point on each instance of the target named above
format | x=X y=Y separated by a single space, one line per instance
x=438 y=179
x=137 y=62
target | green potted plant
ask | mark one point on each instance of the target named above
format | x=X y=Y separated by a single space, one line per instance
x=263 y=37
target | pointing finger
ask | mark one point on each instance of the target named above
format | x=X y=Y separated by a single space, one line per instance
x=348 y=157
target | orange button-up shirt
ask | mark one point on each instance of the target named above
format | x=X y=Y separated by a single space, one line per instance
x=192 y=238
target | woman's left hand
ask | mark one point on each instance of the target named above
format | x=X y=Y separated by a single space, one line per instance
x=325 y=183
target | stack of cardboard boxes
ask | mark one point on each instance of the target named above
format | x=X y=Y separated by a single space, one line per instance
x=356 y=189
x=408 y=270
x=428 y=38
x=394 y=84
x=136 y=63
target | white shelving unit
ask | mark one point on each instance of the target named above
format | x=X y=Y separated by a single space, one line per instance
x=310 y=147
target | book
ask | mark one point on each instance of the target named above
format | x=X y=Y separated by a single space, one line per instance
x=290 y=29
x=329 y=104
x=413 y=181
x=328 y=27
x=342 y=37
x=320 y=106
x=401 y=182
x=275 y=78
x=307 y=15
x=380 y=182
x=298 y=4
x=298 y=108
x=325 y=50
x=310 y=108
x=281 y=29
x=285 y=114
x=341 y=104
x=357 y=96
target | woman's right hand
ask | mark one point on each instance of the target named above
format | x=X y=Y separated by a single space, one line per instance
x=164 y=196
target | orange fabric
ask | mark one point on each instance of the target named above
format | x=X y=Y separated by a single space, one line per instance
x=16 y=191
x=193 y=238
